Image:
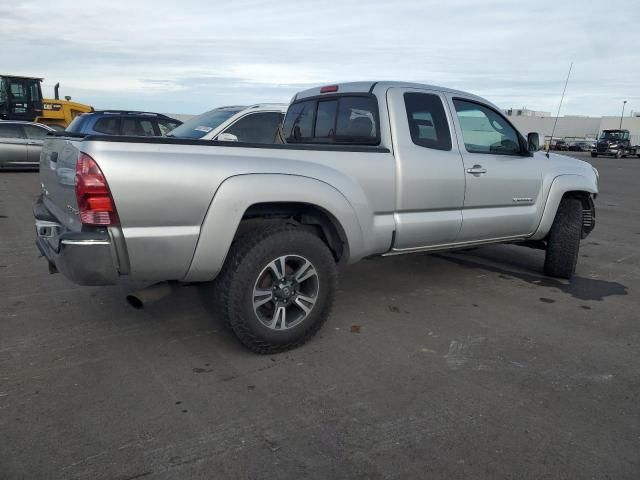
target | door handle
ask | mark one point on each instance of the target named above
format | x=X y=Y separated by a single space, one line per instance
x=477 y=170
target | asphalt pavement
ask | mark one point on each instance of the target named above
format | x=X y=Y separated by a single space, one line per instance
x=453 y=365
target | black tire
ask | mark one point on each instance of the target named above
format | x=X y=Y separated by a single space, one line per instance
x=247 y=260
x=594 y=155
x=563 y=242
x=619 y=154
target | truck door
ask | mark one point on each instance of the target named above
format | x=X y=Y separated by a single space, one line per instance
x=13 y=146
x=503 y=182
x=429 y=171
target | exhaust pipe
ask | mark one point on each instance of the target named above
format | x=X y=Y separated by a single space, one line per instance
x=149 y=295
x=55 y=91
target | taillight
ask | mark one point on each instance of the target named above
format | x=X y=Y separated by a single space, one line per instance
x=329 y=89
x=95 y=204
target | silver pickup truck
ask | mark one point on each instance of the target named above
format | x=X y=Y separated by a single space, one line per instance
x=368 y=168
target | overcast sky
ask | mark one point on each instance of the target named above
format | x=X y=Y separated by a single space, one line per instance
x=191 y=56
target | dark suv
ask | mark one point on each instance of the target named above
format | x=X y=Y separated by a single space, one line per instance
x=123 y=122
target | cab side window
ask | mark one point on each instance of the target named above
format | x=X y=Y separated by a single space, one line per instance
x=428 y=123
x=485 y=131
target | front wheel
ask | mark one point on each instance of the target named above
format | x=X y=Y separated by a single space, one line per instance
x=594 y=154
x=277 y=287
x=619 y=154
x=563 y=242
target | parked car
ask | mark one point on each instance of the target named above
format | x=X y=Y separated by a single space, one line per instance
x=559 y=145
x=21 y=143
x=580 y=146
x=369 y=168
x=123 y=122
x=253 y=124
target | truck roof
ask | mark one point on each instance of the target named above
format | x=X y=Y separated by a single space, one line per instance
x=369 y=86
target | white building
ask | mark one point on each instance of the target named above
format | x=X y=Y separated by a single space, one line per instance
x=576 y=126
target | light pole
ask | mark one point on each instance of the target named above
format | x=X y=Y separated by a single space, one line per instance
x=624 y=104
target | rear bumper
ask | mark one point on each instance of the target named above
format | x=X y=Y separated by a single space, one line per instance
x=85 y=258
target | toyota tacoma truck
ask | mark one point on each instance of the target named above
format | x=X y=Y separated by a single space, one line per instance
x=367 y=168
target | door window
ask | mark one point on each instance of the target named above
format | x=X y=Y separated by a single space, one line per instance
x=257 y=127
x=485 y=131
x=18 y=91
x=108 y=125
x=146 y=126
x=138 y=127
x=427 y=121
x=35 y=133
x=11 y=131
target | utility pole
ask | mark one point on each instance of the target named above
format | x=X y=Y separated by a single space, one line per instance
x=624 y=104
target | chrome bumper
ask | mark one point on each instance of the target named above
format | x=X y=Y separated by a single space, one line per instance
x=85 y=258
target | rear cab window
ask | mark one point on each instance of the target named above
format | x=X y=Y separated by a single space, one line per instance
x=346 y=119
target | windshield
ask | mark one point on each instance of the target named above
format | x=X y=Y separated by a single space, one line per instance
x=198 y=127
x=25 y=90
x=612 y=135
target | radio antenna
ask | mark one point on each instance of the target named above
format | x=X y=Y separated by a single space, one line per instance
x=559 y=107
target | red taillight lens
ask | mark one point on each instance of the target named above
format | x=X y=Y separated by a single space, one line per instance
x=95 y=204
x=329 y=89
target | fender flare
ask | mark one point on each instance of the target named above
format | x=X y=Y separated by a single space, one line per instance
x=236 y=194
x=561 y=185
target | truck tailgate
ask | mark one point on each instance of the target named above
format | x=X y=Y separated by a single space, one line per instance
x=57 y=178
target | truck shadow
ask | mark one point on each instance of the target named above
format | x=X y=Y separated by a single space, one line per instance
x=578 y=287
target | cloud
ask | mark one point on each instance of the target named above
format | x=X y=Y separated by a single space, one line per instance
x=192 y=56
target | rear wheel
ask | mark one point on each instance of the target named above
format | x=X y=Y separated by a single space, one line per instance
x=594 y=154
x=277 y=287
x=563 y=242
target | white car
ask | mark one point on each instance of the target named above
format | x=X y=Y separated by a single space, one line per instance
x=247 y=124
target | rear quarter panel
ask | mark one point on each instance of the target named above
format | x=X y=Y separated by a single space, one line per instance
x=163 y=191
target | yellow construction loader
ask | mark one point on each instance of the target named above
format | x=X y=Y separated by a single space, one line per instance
x=21 y=99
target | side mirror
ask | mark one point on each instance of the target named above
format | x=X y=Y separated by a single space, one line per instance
x=227 y=137
x=533 y=140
